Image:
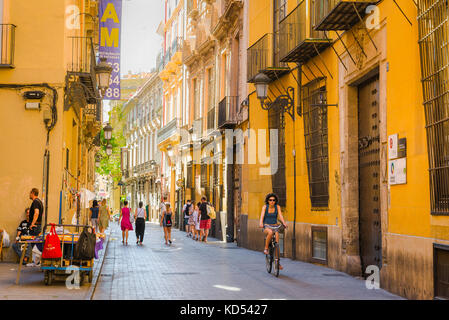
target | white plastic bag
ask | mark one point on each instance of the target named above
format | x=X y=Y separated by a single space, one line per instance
x=36 y=255
x=6 y=241
x=74 y=219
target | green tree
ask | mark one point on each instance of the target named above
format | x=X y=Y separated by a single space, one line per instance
x=110 y=165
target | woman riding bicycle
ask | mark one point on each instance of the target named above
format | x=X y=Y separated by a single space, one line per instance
x=269 y=216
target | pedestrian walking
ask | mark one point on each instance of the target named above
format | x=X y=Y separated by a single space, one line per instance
x=140 y=217
x=191 y=221
x=125 y=222
x=205 y=223
x=104 y=216
x=94 y=211
x=167 y=222
x=187 y=213
x=162 y=207
x=196 y=220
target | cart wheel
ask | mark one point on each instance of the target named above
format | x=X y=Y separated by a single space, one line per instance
x=90 y=276
x=48 y=277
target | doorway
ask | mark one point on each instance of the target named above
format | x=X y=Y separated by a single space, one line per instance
x=369 y=174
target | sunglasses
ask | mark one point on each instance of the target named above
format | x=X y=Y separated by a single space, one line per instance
x=271 y=199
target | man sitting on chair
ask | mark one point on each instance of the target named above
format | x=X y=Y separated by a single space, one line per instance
x=23 y=230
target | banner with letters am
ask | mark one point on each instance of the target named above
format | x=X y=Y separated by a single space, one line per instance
x=110 y=13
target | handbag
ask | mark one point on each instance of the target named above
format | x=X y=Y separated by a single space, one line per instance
x=52 y=246
x=131 y=217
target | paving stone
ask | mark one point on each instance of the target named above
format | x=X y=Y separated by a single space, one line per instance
x=192 y=270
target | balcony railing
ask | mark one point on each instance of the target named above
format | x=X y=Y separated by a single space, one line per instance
x=176 y=46
x=298 y=41
x=337 y=14
x=94 y=110
x=169 y=130
x=227 y=112
x=83 y=63
x=211 y=119
x=263 y=57
x=7 y=44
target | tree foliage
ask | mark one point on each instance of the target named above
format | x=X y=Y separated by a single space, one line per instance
x=110 y=165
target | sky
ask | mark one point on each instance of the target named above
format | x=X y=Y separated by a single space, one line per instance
x=140 y=42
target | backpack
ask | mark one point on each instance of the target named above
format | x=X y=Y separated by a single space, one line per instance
x=187 y=209
x=85 y=247
x=211 y=211
x=168 y=220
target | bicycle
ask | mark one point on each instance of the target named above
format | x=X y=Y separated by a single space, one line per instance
x=273 y=252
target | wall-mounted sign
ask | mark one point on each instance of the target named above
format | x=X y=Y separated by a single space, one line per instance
x=397 y=171
x=393 y=146
x=110 y=12
x=402 y=148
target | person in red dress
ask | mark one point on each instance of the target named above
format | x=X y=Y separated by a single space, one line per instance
x=125 y=223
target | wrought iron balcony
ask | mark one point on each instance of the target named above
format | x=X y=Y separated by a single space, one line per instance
x=227 y=112
x=337 y=14
x=169 y=130
x=81 y=68
x=263 y=56
x=298 y=41
x=7 y=44
x=94 y=110
x=211 y=119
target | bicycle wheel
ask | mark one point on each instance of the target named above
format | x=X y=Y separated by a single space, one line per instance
x=269 y=259
x=276 y=260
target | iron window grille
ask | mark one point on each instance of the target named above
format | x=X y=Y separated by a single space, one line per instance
x=319 y=244
x=276 y=121
x=204 y=175
x=434 y=54
x=316 y=141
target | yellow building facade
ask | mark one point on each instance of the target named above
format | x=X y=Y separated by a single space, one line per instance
x=363 y=195
x=48 y=49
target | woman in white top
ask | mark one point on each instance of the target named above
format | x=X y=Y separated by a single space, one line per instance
x=140 y=217
x=196 y=220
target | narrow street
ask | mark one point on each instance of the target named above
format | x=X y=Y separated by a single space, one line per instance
x=189 y=270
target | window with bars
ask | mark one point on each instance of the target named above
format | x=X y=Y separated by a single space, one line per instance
x=204 y=175
x=275 y=121
x=316 y=141
x=434 y=54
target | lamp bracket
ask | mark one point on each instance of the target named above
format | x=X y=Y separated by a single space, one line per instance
x=285 y=102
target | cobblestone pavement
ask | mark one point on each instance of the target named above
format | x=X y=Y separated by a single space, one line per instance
x=190 y=270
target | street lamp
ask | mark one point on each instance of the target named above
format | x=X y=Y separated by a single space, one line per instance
x=109 y=149
x=97 y=160
x=285 y=103
x=107 y=132
x=103 y=72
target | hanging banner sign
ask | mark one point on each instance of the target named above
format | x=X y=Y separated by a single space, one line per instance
x=110 y=13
